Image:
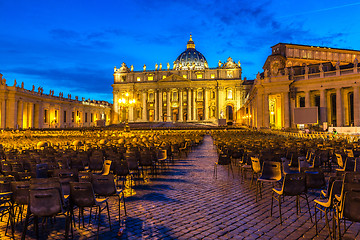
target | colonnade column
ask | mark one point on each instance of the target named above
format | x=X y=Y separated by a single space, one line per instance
x=339 y=108
x=144 y=107
x=307 y=99
x=189 y=105
x=266 y=111
x=3 y=113
x=168 y=109
x=181 y=105
x=323 y=107
x=160 y=118
x=20 y=111
x=206 y=104
x=286 y=110
x=156 y=107
x=356 y=106
x=194 y=114
x=30 y=116
x=25 y=115
x=259 y=111
x=220 y=99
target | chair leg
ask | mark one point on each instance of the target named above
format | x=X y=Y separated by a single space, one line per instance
x=280 y=210
x=25 y=224
x=107 y=207
x=316 y=228
x=327 y=222
x=307 y=201
x=98 y=222
x=272 y=199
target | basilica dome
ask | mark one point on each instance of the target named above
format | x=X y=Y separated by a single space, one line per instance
x=190 y=59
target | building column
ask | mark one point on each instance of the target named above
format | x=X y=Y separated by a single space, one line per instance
x=3 y=113
x=307 y=99
x=206 y=103
x=259 y=108
x=156 y=106
x=181 y=105
x=189 y=105
x=161 y=117
x=266 y=111
x=30 y=111
x=323 y=107
x=168 y=105
x=220 y=100
x=144 y=107
x=356 y=106
x=25 y=115
x=194 y=113
x=286 y=110
x=20 y=113
x=339 y=108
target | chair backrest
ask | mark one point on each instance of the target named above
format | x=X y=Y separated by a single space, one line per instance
x=85 y=176
x=146 y=158
x=339 y=160
x=45 y=202
x=106 y=167
x=349 y=164
x=285 y=165
x=82 y=194
x=132 y=162
x=315 y=180
x=224 y=159
x=121 y=168
x=65 y=177
x=162 y=154
x=357 y=164
x=96 y=163
x=351 y=206
x=42 y=170
x=20 y=192
x=5 y=183
x=271 y=170
x=294 y=184
x=255 y=164
x=351 y=177
x=6 y=166
x=104 y=185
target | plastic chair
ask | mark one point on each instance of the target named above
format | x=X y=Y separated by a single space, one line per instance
x=45 y=203
x=42 y=170
x=225 y=160
x=256 y=168
x=293 y=185
x=106 y=167
x=65 y=177
x=324 y=205
x=271 y=173
x=82 y=195
x=104 y=185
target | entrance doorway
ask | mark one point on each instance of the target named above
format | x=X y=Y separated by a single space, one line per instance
x=229 y=113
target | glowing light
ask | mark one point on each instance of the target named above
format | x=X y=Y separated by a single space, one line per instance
x=272 y=113
x=126 y=94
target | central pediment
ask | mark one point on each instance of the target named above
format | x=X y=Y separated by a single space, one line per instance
x=174 y=78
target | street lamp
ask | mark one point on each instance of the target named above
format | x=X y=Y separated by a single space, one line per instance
x=125 y=103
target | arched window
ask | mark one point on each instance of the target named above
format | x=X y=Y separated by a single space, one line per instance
x=229 y=93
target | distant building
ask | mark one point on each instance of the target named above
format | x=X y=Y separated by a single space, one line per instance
x=21 y=109
x=185 y=91
x=313 y=81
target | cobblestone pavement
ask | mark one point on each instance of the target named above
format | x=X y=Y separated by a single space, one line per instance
x=187 y=202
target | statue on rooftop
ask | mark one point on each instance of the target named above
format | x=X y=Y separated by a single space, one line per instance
x=132 y=68
x=15 y=83
x=156 y=66
x=219 y=63
x=160 y=66
x=168 y=66
x=144 y=67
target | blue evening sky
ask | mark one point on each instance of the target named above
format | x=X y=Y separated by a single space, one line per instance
x=72 y=46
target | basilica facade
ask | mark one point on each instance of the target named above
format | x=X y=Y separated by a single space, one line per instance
x=186 y=91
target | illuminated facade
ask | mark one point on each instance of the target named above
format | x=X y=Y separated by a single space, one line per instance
x=298 y=76
x=22 y=109
x=187 y=91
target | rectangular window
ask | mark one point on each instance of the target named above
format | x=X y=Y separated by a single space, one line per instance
x=138 y=79
x=184 y=76
x=72 y=116
x=164 y=76
x=150 y=78
x=64 y=116
x=46 y=119
x=91 y=117
x=212 y=75
x=86 y=117
x=198 y=76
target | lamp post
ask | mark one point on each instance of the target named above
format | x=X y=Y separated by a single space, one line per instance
x=126 y=103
